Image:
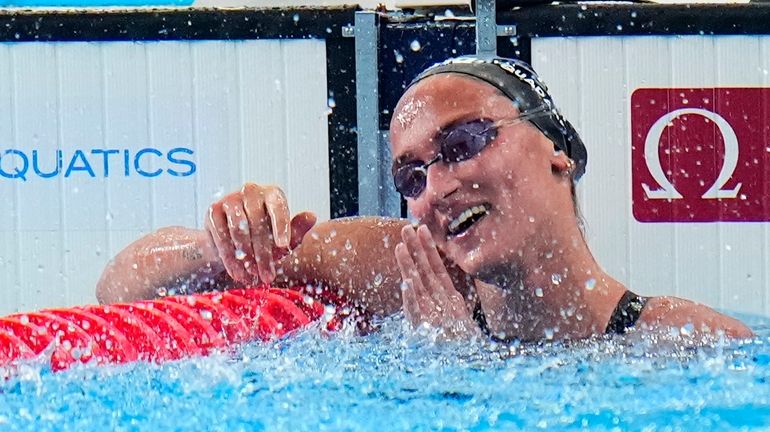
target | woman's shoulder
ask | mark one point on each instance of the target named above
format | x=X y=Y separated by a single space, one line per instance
x=668 y=312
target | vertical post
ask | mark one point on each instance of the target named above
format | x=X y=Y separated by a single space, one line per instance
x=486 y=28
x=376 y=194
x=367 y=108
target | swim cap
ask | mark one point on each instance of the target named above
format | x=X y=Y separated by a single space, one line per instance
x=519 y=82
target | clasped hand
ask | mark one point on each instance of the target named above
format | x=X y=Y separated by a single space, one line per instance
x=252 y=230
x=429 y=294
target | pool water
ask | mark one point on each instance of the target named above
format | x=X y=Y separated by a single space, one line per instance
x=393 y=380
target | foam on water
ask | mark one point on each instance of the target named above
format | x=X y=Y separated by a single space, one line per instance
x=396 y=381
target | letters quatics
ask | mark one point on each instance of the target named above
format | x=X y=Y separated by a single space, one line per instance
x=97 y=162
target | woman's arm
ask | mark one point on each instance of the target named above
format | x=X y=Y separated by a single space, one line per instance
x=354 y=255
x=172 y=258
x=673 y=312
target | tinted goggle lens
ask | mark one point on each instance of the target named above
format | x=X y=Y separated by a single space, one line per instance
x=456 y=145
x=467 y=140
x=410 y=179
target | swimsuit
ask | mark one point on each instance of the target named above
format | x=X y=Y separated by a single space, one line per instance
x=626 y=313
x=624 y=317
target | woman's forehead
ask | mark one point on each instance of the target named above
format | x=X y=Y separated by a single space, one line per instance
x=446 y=95
x=441 y=100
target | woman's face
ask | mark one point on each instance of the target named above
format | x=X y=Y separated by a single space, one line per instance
x=485 y=210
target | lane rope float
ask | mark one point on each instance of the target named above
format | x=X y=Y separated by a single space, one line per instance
x=158 y=330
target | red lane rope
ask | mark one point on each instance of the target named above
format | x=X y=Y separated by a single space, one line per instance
x=155 y=330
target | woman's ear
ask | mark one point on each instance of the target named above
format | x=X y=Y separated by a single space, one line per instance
x=561 y=164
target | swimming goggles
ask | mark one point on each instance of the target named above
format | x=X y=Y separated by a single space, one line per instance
x=456 y=144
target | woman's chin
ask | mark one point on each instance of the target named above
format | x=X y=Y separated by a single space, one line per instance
x=473 y=262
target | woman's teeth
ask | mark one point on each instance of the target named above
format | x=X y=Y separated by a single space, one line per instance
x=466 y=219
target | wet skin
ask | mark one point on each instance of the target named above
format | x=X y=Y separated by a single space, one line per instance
x=513 y=176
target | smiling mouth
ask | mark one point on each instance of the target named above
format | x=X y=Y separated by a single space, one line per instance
x=466 y=220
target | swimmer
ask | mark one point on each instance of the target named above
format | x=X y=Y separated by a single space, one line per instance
x=488 y=167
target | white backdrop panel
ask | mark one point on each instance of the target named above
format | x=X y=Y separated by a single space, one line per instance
x=149 y=135
x=722 y=264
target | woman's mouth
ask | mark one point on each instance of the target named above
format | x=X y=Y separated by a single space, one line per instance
x=465 y=220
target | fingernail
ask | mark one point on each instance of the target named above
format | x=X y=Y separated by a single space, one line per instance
x=282 y=240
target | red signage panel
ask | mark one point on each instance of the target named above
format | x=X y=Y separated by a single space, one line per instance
x=700 y=154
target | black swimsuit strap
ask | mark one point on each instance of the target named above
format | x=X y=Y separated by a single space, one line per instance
x=626 y=313
x=481 y=318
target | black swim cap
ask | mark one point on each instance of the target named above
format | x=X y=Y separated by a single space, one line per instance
x=519 y=82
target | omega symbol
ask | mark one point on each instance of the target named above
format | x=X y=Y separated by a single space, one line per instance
x=652 y=158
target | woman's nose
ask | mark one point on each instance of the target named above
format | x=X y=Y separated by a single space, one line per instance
x=440 y=182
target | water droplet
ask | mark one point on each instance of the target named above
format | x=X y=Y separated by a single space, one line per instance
x=240 y=254
x=539 y=292
x=330 y=310
x=399 y=57
x=556 y=278
x=85 y=325
x=449 y=14
x=348 y=245
x=331 y=103
x=687 y=329
x=532 y=219
x=475 y=186
x=315 y=235
x=206 y=314
x=728 y=247
x=295 y=18
x=549 y=333
x=591 y=284
x=40 y=268
x=377 y=279
x=415 y=45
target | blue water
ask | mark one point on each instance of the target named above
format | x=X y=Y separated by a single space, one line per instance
x=396 y=381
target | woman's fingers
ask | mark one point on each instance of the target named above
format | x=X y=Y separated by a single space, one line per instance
x=433 y=257
x=434 y=286
x=278 y=212
x=412 y=311
x=423 y=307
x=259 y=231
x=429 y=294
x=216 y=224
x=439 y=269
x=238 y=226
x=252 y=229
x=300 y=225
